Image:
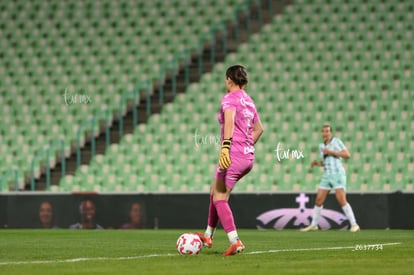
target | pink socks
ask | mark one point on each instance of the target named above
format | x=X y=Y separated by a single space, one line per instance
x=226 y=216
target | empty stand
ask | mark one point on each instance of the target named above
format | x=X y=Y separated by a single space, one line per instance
x=343 y=62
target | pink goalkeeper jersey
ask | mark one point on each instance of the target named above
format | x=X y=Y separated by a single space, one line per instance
x=246 y=115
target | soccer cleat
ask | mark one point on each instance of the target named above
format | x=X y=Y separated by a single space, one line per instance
x=355 y=228
x=207 y=242
x=309 y=228
x=234 y=248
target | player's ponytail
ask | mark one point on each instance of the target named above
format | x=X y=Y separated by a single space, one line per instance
x=238 y=75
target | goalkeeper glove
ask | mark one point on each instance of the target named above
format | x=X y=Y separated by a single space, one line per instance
x=224 y=160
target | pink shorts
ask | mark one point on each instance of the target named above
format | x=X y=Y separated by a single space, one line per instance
x=238 y=168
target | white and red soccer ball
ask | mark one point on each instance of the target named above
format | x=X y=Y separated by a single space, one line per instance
x=189 y=244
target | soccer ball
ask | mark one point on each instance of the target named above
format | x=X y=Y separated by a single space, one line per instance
x=189 y=244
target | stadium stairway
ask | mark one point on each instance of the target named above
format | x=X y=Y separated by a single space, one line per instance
x=259 y=15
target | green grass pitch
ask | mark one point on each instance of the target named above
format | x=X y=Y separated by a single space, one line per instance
x=153 y=252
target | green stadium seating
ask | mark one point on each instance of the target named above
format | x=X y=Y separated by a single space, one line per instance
x=344 y=62
x=96 y=49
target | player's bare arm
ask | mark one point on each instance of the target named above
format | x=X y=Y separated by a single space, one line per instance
x=257 y=131
x=316 y=163
x=229 y=115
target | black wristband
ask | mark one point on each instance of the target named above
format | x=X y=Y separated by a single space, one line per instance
x=226 y=143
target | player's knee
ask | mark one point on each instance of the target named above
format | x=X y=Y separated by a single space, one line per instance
x=320 y=199
x=319 y=202
x=342 y=201
x=220 y=196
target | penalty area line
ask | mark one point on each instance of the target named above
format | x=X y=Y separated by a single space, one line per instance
x=75 y=260
x=315 y=249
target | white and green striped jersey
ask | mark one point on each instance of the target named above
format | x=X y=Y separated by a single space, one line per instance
x=332 y=165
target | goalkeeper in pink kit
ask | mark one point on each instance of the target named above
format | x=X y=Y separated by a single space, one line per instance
x=240 y=129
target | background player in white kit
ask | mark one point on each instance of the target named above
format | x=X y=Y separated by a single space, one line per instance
x=332 y=151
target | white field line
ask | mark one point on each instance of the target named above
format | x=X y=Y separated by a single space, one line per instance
x=317 y=248
x=74 y=260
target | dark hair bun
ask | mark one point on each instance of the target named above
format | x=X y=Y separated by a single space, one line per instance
x=238 y=75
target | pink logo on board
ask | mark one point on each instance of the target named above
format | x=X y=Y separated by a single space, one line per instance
x=301 y=217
